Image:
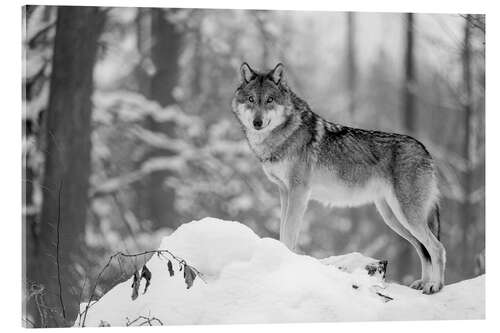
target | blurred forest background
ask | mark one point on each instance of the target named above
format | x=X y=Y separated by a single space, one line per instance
x=128 y=132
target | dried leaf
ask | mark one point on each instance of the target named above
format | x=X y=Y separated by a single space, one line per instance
x=146 y=274
x=170 y=268
x=135 y=285
x=189 y=276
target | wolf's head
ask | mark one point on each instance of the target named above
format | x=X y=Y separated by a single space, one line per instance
x=262 y=101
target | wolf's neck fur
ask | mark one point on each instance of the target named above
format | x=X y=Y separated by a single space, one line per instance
x=301 y=128
x=271 y=146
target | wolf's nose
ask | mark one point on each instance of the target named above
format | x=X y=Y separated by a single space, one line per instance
x=257 y=123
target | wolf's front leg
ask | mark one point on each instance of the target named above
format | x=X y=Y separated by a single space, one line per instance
x=284 y=205
x=298 y=197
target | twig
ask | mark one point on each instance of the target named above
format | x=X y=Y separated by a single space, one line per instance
x=385 y=297
x=57 y=251
x=473 y=21
x=147 y=320
x=43 y=187
x=179 y=260
x=95 y=286
x=36 y=292
x=38 y=295
x=80 y=297
x=33 y=39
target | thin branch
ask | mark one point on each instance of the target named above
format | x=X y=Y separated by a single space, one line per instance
x=80 y=297
x=48 y=189
x=474 y=22
x=385 y=297
x=57 y=251
x=160 y=253
x=147 y=320
x=33 y=39
x=40 y=73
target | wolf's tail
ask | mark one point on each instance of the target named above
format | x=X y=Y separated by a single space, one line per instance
x=434 y=222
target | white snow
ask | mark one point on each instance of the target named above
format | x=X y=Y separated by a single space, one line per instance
x=248 y=279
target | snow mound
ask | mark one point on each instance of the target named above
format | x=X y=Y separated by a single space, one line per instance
x=247 y=279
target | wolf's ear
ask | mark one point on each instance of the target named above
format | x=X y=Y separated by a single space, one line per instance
x=247 y=73
x=277 y=73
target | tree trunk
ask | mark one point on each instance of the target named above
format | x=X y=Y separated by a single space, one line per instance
x=410 y=80
x=467 y=207
x=143 y=35
x=351 y=87
x=406 y=264
x=158 y=199
x=56 y=243
x=260 y=17
x=196 y=81
x=351 y=64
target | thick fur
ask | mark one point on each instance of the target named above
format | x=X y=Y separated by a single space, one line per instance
x=309 y=157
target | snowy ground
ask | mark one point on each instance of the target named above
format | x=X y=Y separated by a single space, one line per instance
x=247 y=279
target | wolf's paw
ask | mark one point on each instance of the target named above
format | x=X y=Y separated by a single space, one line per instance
x=419 y=284
x=432 y=287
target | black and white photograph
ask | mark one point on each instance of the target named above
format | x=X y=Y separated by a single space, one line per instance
x=197 y=166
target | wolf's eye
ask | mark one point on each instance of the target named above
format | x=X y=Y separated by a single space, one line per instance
x=269 y=100
x=251 y=99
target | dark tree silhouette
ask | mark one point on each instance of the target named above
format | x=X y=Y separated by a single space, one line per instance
x=351 y=63
x=261 y=17
x=409 y=124
x=55 y=242
x=467 y=206
x=409 y=85
x=157 y=199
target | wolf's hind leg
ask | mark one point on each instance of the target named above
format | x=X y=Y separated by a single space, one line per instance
x=391 y=220
x=413 y=217
x=438 y=254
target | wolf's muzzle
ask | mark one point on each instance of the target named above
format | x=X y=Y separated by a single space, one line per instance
x=257 y=123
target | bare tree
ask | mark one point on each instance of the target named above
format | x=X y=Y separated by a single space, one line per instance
x=55 y=242
x=409 y=120
x=468 y=146
x=351 y=63
x=409 y=86
x=351 y=79
x=261 y=16
x=156 y=199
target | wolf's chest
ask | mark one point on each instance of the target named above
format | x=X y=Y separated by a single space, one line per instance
x=278 y=172
x=257 y=144
x=256 y=139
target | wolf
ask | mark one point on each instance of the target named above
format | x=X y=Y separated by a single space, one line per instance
x=310 y=158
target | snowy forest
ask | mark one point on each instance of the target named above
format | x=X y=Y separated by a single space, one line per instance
x=128 y=133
